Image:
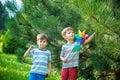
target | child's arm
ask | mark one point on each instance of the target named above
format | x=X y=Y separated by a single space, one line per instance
x=28 y=51
x=89 y=39
x=62 y=55
x=49 y=68
x=63 y=59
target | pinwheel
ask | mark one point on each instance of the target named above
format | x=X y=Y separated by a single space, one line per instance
x=79 y=39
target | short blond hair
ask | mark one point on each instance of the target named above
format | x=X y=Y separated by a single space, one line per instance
x=42 y=36
x=65 y=30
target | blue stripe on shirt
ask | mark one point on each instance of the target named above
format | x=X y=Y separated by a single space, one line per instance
x=40 y=61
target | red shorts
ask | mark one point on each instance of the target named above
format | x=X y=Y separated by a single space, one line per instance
x=69 y=73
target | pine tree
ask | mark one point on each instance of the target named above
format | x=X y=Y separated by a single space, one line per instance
x=100 y=58
x=3 y=15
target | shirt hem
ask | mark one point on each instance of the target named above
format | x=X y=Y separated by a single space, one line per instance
x=39 y=73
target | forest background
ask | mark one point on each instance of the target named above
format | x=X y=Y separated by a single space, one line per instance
x=21 y=22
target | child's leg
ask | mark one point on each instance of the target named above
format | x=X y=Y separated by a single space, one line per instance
x=73 y=73
x=64 y=74
x=40 y=77
x=32 y=76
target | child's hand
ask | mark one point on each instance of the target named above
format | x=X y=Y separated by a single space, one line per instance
x=31 y=47
x=93 y=34
x=64 y=60
x=48 y=74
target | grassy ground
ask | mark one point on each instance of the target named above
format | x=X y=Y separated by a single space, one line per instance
x=11 y=69
x=1 y=46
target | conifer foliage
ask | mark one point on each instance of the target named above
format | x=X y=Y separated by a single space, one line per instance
x=100 y=59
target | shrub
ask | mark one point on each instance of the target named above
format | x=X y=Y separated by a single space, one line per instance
x=9 y=42
x=19 y=52
x=13 y=44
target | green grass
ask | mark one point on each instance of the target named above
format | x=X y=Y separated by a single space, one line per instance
x=1 y=46
x=11 y=69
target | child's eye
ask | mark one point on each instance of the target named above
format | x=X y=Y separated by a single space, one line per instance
x=69 y=32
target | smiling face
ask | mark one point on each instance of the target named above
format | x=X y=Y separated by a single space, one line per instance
x=42 y=43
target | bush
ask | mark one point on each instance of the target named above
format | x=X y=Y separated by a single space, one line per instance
x=9 y=43
x=13 y=44
x=20 y=52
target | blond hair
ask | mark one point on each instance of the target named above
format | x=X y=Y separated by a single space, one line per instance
x=65 y=30
x=42 y=36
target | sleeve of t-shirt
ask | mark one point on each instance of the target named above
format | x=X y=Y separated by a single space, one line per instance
x=31 y=53
x=49 y=57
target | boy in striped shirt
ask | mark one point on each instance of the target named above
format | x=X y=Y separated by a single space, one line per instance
x=41 y=58
x=70 y=59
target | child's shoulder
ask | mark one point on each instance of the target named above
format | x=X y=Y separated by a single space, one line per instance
x=34 y=49
x=63 y=45
x=48 y=51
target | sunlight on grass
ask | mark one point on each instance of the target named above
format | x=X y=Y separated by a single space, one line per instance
x=55 y=75
x=13 y=74
x=11 y=69
x=1 y=44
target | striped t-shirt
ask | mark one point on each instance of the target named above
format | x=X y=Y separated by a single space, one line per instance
x=40 y=60
x=72 y=57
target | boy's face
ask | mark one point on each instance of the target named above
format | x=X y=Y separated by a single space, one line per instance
x=69 y=35
x=42 y=43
